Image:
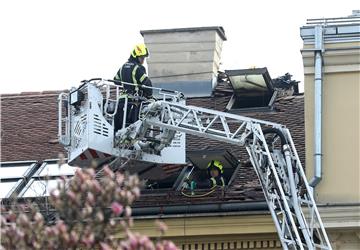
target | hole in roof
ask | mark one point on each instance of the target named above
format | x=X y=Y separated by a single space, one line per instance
x=155 y=176
x=200 y=160
x=172 y=176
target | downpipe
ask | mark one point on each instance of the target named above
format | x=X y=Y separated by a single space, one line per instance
x=318 y=107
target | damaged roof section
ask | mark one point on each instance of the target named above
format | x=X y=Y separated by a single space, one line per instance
x=253 y=89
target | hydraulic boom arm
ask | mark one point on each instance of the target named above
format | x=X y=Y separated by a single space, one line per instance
x=86 y=129
x=272 y=153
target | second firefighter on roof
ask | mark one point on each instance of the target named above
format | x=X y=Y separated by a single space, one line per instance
x=215 y=179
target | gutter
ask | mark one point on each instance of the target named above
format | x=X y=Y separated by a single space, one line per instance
x=201 y=208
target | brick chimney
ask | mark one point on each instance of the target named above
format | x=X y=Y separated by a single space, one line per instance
x=185 y=59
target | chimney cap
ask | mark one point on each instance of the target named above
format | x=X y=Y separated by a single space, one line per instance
x=220 y=30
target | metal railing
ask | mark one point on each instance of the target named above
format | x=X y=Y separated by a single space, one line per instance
x=63 y=122
x=120 y=93
x=333 y=21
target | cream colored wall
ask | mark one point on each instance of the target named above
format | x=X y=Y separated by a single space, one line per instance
x=216 y=232
x=341 y=123
x=246 y=231
x=214 y=225
x=345 y=239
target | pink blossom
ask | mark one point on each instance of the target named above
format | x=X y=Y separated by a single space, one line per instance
x=74 y=236
x=143 y=240
x=71 y=195
x=119 y=178
x=105 y=246
x=117 y=208
x=61 y=226
x=100 y=216
x=12 y=216
x=80 y=174
x=96 y=186
x=90 y=198
x=128 y=211
x=117 y=191
x=38 y=218
x=161 y=226
x=56 y=192
x=136 y=192
x=168 y=245
x=108 y=172
x=91 y=172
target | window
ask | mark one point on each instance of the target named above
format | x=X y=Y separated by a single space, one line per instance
x=253 y=88
x=31 y=179
x=5 y=188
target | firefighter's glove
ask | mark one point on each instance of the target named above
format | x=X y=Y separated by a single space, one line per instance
x=186 y=184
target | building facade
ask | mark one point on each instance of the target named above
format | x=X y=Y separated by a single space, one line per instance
x=335 y=44
x=237 y=217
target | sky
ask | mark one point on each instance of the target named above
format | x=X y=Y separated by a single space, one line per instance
x=53 y=45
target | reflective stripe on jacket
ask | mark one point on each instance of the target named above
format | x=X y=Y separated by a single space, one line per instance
x=133 y=72
x=219 y=181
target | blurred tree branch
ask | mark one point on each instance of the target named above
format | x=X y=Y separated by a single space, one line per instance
x=90 y=214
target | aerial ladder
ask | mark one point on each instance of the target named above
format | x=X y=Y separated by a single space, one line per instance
x=86 y=129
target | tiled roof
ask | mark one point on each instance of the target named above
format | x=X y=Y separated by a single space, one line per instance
x=29 y=132
x=29 y=126
x=288 y=111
